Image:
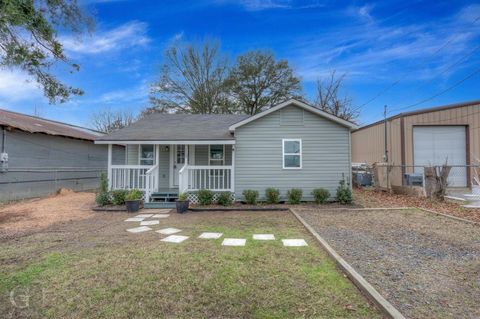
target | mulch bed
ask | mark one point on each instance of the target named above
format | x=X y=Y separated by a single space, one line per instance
x=265 y=207
x=373 y=198
x=427 y=266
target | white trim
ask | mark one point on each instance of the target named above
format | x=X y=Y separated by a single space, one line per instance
x=294 y=154
x=299 y=104
x=109 y=168
x=186 y=142
x=232 y=174
x=209 y=154
x=170 y=169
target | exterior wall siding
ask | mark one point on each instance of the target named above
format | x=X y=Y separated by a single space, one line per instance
x=40 y=164
x=258 y=153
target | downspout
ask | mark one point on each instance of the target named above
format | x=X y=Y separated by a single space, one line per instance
x=3 y=154
x=4 y=139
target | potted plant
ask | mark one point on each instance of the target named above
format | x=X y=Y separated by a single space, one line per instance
x=182 y=203
x=133 y=200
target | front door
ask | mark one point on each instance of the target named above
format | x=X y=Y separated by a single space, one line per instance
x=178 y=162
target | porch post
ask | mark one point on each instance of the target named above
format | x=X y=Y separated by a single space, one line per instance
x=109 y=166
x=157 y=162
x=232 y=181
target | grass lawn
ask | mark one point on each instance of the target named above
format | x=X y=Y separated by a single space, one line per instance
x=93 y=268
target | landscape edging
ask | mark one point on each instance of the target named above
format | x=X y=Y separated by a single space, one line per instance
x=386 y=307
x=448 y=216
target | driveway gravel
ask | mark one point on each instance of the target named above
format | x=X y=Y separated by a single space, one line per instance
x=427 y=266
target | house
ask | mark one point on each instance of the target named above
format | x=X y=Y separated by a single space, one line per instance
x=39 y=156
x=433 y=136
x=291 y=145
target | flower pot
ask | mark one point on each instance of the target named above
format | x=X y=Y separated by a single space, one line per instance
x=182 y=206
x=133 y=205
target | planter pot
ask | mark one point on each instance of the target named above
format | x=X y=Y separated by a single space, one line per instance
x=182 y=206
x=133 y=205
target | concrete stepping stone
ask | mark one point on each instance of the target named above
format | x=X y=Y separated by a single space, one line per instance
x=134 y=219
x=294 y=242
x=149 y=222
x=263 y=237
x=174 y=239
x=210 y=235
x=140 y=229
x=144 y=215
x=168 y=231
x=234 y=242
x=160 y=216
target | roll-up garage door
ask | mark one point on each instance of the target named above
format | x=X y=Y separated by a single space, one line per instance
x=437 y=145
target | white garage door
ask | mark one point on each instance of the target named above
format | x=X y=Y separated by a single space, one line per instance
x=437 y=145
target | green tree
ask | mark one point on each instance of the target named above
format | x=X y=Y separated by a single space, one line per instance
x=191 y=81
x=28 y=40
x=257 y=82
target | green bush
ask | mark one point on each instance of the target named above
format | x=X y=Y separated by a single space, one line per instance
x=344 y=194
x=182 y=197
x=321 y=195
x=103 y=199
x=134 y=194
x=103 y=183
x=225 y=199
x=272 y=195
x=294 y=196
x=251 y=196
x=118 y=196
x=205 y=197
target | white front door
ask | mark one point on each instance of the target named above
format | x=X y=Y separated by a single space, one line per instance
x=177 y=162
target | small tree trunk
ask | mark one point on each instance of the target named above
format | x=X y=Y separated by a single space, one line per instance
x=436 y=181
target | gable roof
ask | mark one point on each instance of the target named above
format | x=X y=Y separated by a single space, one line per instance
x=300 y=104
x=177 y=127
x=34 y=124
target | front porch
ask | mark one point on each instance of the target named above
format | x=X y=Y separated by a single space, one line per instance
x=162 y=171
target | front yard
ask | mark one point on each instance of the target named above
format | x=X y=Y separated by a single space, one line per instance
x=86 y=265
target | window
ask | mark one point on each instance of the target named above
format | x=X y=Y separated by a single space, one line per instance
x=147 y=155
x=292 y=153
x=216 y=154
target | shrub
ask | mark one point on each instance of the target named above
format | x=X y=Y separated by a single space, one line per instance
x=251 y=196
x=320 y=195
x=134 y=194
x=103 y=183
x=118 y=196
x=294 y=196
x=182 y=197
x=103 y=198
x=205 y=197
x=224 y=199
x=272 y=195
x=344 y=194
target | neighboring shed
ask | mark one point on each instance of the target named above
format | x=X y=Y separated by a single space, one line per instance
x=438 y=135
x=45 y=155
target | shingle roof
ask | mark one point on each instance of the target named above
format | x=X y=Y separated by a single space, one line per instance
x=177 y=127
x=35 y=124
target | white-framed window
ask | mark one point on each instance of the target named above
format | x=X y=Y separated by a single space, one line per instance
x=146 y=155
x=216 y=154
x=292 y=153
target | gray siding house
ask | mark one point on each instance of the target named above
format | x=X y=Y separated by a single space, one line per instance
x=39 y=156
x=291 y=145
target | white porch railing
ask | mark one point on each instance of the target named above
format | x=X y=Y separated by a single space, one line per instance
x=215 y=178
x=151 y=182
x=129 y=176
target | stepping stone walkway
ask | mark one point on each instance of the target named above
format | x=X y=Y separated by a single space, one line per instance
x=175 y=239
x=210 y=235
x=263 y=237
x=149 y=222
x=294 y=242
x=234 y=242
x=134 y=219
x=168 y=231
x=144 y=215
x=160 y=216
x=139 y=229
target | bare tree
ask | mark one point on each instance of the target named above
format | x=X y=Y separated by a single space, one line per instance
x=329 y=98
x=108 y=120
x=257 y=82
x=191 y=81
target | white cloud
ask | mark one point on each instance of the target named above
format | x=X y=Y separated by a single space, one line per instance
x=131 y=34
x=17 y=86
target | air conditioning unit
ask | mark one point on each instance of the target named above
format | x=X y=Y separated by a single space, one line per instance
x=413 y=179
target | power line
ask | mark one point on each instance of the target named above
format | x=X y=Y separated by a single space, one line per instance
x=403 y=77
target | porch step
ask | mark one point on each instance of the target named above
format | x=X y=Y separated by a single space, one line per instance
x=164 y=197
x=159 y=205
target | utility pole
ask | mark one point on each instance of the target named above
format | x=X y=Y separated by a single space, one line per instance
x=385 y=124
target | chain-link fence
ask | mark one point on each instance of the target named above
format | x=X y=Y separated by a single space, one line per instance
x=20 y=183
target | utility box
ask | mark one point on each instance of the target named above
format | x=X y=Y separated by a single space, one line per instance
x=3 y=162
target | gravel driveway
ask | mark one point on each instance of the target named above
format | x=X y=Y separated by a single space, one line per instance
x=427 y=266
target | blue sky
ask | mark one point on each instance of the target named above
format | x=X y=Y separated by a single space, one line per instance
x=393 y=52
